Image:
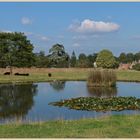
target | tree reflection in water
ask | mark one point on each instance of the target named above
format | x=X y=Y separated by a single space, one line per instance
x=16 y=100
x=58 y=85
x=102 y=91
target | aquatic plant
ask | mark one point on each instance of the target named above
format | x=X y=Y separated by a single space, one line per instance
x=102 y=77
x=100 y=104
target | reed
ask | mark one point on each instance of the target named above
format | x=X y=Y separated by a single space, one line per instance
x=102 y=78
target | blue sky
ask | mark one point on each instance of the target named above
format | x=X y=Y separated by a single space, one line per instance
x=83 y=27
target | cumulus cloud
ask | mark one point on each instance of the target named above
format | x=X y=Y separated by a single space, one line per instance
x=26 y=21
x=91 y=26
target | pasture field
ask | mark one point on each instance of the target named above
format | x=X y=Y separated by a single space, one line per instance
x=41 y=75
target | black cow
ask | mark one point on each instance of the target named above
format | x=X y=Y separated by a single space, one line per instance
x=49 y=74
x=22 y=74
x=7 y=73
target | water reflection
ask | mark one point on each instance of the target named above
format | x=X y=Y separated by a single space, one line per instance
x=102 y=91
x=16 y=100
x=58 y=85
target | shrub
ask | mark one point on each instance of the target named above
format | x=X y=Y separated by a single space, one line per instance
x=105 y=59
x=106 y=78
x=136 y=67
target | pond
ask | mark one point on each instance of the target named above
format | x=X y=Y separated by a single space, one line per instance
x=29 y=102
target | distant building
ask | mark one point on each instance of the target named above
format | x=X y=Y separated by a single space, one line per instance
x=128 y=65
x=124 y=66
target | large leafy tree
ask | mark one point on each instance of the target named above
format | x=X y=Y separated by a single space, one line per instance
x=15 y=50
x=105 y=59
x=58 y=57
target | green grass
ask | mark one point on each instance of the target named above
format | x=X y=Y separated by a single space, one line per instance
x=106 y=127
x=66 y=74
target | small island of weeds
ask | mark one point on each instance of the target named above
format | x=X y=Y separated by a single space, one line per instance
x=102 y=78
x=100 y=104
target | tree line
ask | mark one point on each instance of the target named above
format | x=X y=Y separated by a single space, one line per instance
x=17 y=51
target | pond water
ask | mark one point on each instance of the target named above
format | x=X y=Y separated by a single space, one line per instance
x=29 y=102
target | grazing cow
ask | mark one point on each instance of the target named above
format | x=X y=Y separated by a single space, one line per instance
x=49 y=74
x=7 y=73
x=16 y=74
x=22 y=74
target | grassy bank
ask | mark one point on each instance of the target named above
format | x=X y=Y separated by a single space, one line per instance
x=107 y=127
x=41 y=75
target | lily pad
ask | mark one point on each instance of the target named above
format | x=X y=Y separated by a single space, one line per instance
x=100 y=104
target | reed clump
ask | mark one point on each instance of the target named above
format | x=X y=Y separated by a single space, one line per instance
x=102 y=78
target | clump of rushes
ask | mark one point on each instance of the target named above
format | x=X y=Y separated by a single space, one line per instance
x=102 y=78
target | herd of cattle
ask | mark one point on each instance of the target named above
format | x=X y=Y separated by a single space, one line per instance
x=23 y=74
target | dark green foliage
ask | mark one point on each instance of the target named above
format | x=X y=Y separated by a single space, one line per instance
x=15 y=50
x=123 y=58
x=136 y=67
x=129 y=57
x=100 y=104
x=91 y=59
x=82 y=61
x=58 y=57
x=105 y=59
x=73 y=60
x=42 y=61
x=137 y=56
x=102 y=78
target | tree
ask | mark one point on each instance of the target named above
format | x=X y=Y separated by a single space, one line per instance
x=15 y=50
x=91 y=59
x=123 y=58
x=136 y=67
x=137 y=56
x=41 y=60
x=73 y=60
x=58 y=57
x=105 y=59
x=130 y=57
x=82 y=61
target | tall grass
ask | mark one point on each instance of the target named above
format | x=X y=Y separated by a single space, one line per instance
x=102 y=77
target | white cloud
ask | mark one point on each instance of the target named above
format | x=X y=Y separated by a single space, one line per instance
x=91 y=26
x=76 y=45
x=26 y=21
